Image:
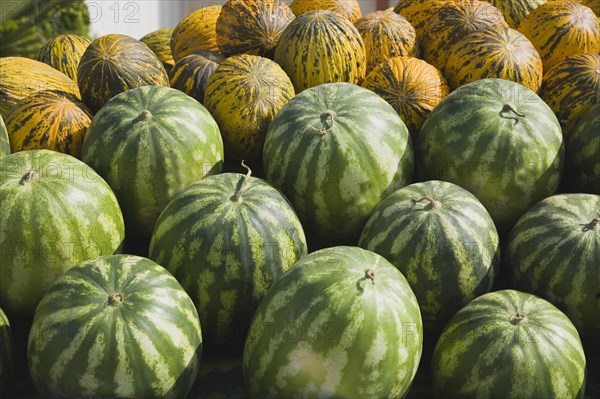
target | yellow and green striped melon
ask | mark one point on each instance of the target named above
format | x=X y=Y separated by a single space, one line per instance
x=349 y=9
x=49 y=119
x=243 y=95
x=453 y=21
x=115 y=63
x=515 y=11
x=418 y=12
x=562 y=28
x=494 y=52
x=571 y=88
x=64 y=53
x=197 y=31
x=320 y=47
x=190 y=74
x=159 y=42
x=411 y=86
x=386 y=35
x=252 y=26
x=594 y=5
x=21 y=77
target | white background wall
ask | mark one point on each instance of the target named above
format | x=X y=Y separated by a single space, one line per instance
x=139 y=17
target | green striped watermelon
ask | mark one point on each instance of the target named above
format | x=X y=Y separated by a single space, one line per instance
x=343 y=322
x=227 y=238
x=116 y=326
x=497 y=139
x=554 y=252
x=55 y=212
x=583 y=154
x=336 y=150
x=5 y=352
x=4 y=142
x=443 y=240
x=150 y=143
x=509 y=344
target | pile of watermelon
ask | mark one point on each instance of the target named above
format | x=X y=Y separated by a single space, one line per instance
x=301 y=201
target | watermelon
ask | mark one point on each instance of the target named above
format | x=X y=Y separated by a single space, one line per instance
x=4 y=142
x=554 y=252
x=583 y=154
x=497 y=139
x=219 y=377
x=335 y=151
x=509 y=344
x=5 y=352
x=55 y=212
x=227 y=238
x=443 y=240
x=342 y=322
x=150 y=143
x=115 y=326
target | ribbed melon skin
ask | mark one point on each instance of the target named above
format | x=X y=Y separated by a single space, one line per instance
x=243 y=95
x=583 y=154
x=349 y=9
x=159 y=41
x=559 y=29
x=63 y=53
x=451 y=22
x=227 y=252
x=197 y=31
x=115 y=63
x=553 y=252
x=4 y=141
x=335 y=169
x=49 y=119
x=508 y=161
x=325 y=329
x=418 y=12
x=145 y=344
x=319 y=47
x=149 y=144
x=571 y=88
x=515 y=11
x=252 y=26
x=410 y=85
x=386 y=35
x=443 y=240
x=190 y=74
x=55 y=212
x=23 y=76
x=486 y=352
x=494 y=52
x=6 y=365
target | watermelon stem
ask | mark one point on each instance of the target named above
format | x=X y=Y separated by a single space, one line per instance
x=244 y=186
x=145 y=115
x=511 y=108
x=593 y=225
x=115 y=300
x=370 y=274
x=433 y=204
x=327 y=114
x=29 y=176
x=518 y=319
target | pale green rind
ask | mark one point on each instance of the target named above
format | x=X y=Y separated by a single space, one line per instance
x=335 y=174
x=227 y=253
x=482 y=355
x=554 y=252
x=4 y=142
x=148 y=161
x=61 y=216
x=5 y=353
x=325 y=329
x=583 y=154
x=147 y=347
x=508 y=162
x=449 y=251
